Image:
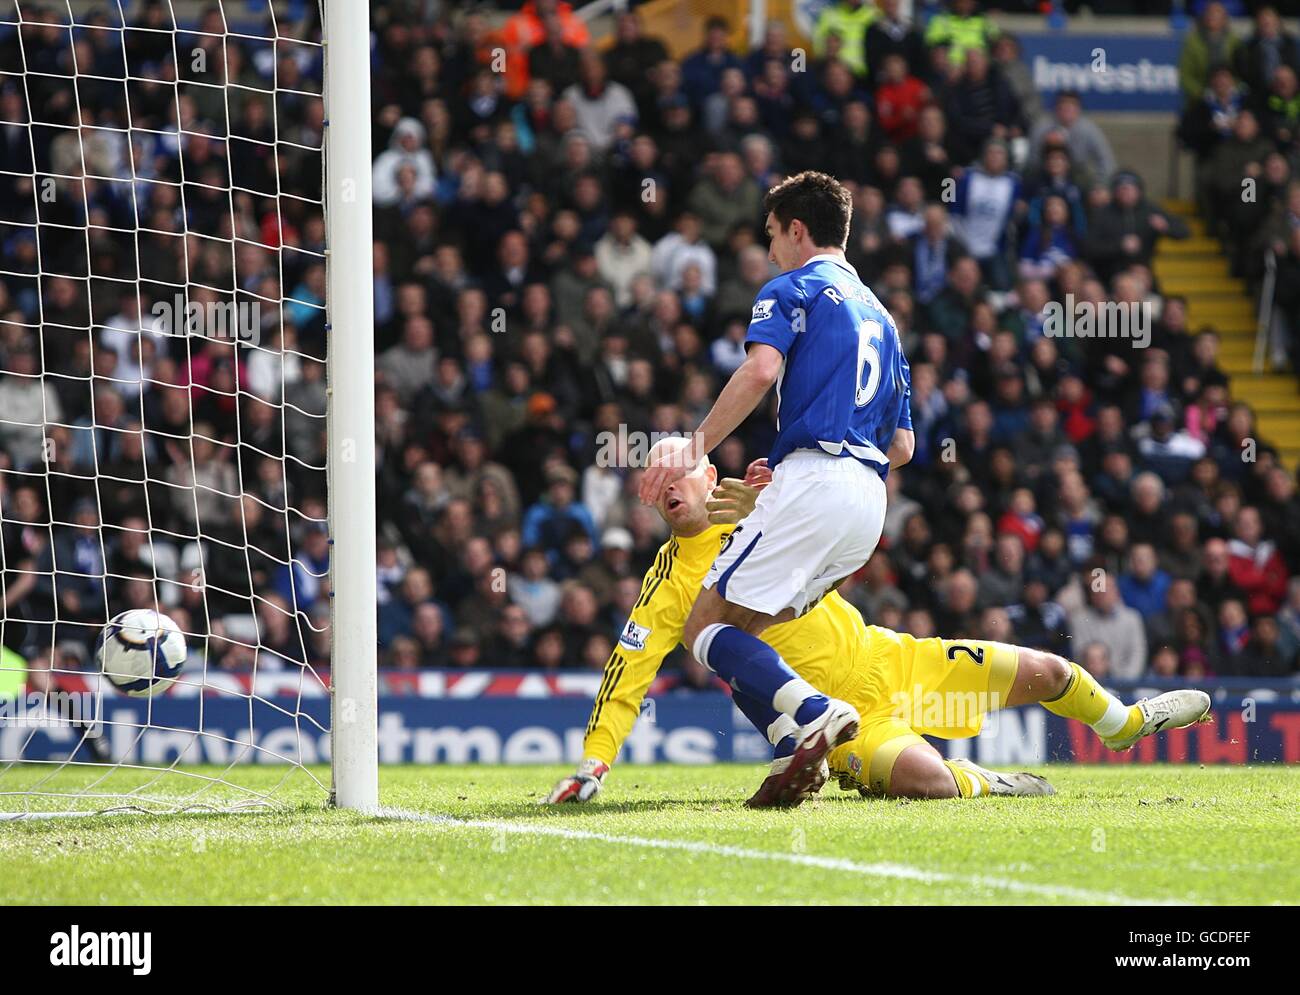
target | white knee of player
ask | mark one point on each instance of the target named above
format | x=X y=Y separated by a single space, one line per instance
x=704 y=640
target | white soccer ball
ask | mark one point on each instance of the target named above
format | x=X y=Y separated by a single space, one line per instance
x=141 y=652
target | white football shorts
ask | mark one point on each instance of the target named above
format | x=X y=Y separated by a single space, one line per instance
x=818 y=521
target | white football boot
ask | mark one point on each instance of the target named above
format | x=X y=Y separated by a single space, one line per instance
x=1021 y=783
x=1171 y=710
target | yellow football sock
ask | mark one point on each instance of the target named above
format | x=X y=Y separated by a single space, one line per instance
x=1086 y=700
x=970 y=783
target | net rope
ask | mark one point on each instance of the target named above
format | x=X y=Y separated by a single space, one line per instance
x=161 y=176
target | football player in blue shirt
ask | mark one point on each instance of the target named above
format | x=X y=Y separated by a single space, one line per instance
x=832 y=351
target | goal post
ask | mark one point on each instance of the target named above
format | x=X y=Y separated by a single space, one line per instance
x=187 y=403
x=351 y=429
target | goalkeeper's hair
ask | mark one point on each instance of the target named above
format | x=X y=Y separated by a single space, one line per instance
x=820 y=201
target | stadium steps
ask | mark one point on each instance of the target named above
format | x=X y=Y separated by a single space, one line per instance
x=1197 y=269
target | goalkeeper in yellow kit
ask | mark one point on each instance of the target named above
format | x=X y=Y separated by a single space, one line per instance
x=902 y=687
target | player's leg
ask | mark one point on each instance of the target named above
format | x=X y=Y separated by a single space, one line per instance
x=781 y=732
x=1079 y=696
x=778 y=562
x=724 y=637
x=889 y=759
x=1066 y=689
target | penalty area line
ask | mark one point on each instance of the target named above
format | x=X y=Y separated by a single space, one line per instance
x=904 y=872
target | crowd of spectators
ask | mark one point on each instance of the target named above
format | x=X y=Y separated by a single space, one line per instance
x=568 y=243
x=1241 y=121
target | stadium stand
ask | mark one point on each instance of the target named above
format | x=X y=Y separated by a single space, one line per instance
x=566 y=255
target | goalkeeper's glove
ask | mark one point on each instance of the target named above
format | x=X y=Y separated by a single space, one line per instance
x=580 y=786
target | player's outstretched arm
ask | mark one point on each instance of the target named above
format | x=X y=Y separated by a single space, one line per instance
x=652 y=631
x=737 y=401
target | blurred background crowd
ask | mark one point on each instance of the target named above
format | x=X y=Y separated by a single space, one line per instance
x=568 y=244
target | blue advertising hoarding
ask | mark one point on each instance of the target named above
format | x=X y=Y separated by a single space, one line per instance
x=691 y=728
x=1109 y=72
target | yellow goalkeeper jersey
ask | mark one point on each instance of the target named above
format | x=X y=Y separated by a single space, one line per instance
x=825 y=646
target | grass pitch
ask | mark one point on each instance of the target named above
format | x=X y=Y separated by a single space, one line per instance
x=1113 y=835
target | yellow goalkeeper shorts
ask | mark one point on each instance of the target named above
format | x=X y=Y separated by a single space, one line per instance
x=905 y=687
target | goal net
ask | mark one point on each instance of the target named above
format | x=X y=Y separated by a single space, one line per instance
x=185 y=368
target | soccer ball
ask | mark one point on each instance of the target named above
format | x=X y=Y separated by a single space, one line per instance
x=141 y=652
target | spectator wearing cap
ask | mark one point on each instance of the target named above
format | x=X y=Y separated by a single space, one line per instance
x=464 y=650
x=407 y=150
x=542 y=439
x=603 y=572
x=1124 y=230
x=546 y=524
x=1167 y=450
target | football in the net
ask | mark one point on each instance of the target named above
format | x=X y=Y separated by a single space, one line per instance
x=141 y=652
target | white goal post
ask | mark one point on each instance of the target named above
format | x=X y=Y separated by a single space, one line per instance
x=187 y=401
x=351 y=428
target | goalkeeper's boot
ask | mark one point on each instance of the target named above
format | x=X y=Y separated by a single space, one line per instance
x=1171 y=710
x=766 y=795
x=581 y=786
x=1021 y=783
x=838 y=724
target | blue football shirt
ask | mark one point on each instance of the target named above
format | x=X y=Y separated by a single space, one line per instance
x=845 y=385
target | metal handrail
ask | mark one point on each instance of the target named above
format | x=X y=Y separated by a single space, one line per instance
x=1264 y=321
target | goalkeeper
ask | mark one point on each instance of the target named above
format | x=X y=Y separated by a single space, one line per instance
x=902 y=687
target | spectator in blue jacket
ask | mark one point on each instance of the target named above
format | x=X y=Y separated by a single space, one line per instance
x=702 y=72
x=1145 y=586
x=548 y=523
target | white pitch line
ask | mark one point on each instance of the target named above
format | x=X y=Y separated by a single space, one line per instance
x=879 y=870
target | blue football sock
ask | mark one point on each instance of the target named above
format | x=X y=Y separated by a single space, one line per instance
x=776 y=726
x=753 y=668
